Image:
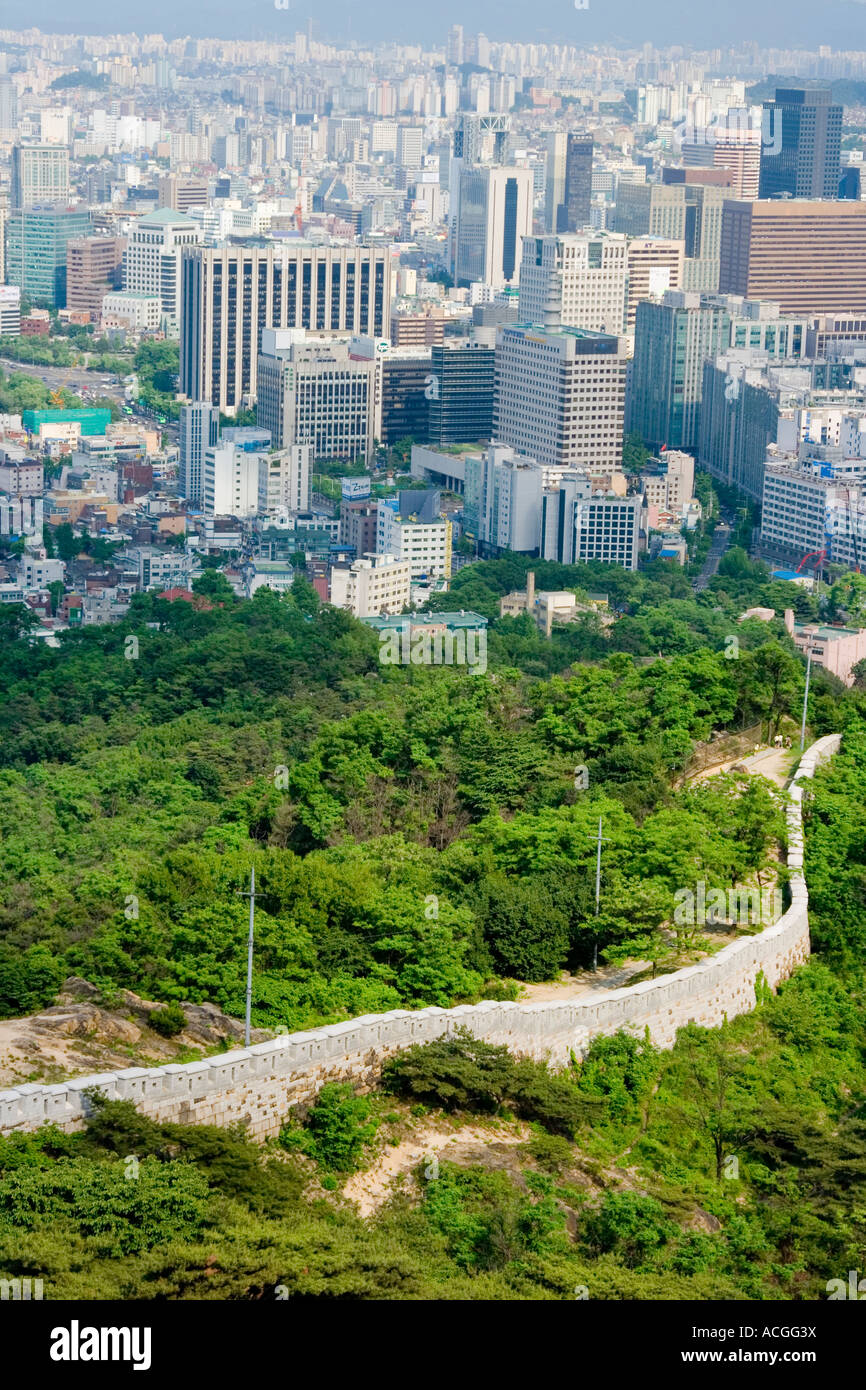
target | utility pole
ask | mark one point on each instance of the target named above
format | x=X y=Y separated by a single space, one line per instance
x=597 y=891
x=806 y=696
x=252 y=897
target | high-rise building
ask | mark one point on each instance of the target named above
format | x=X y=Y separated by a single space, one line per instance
x=680 y=211
x=800 y=148
x=454 y=47
x=577 y=280
x=740 y=152
x=10 y=311
x=36 y=250
x=231 y=481
x=372 y=585
x=673 y=339
x=568 y=187
x=199 y=431
x=739 y=418
x=460 y=393
x=40 y=174
x=420 y=535
x=180 y=194
x=410 y=146
x=405 y=408
x=560 y=397
x=231 y=293
x=153 y=257
x=495 y=213
x=809 y=256
x=655 y=265
x=93 y=270
x=313 y=391
x=8 y=107
x=284 y=480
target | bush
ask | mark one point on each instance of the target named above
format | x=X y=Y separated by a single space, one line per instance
x=463 y=1073
x=168 y=1021
x=339 y=1128
x=628 y=1224
x=28 y=982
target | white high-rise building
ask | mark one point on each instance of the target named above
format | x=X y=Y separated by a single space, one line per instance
x=575 y=280
x=494 y=214
x=231 y=481
x=198 y=431
x=284 y=480
x=40 y=174
x=410 y=146
x=315 y=391
x=425 y=544
x=502 y=505
x=152 y=260
x=559 y=397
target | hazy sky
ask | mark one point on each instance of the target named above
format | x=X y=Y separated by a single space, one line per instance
x=777 y=23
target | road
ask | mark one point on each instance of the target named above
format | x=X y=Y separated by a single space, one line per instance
x=75 y=379
x=721 y=541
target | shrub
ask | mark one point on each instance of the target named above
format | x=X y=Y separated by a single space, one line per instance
x=168 y=1021
x=339 y=1128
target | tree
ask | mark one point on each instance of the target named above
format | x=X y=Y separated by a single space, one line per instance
x=710 y=1067
x=56 y=589
x=634 y=454
x=527 y=933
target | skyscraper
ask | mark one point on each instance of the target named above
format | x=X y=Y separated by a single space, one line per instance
x=36 y=251
x=673 y=339
x=314 y=391
x=40 y=174
x=199 y=431
x=578 y=279
x=800 y=148
x=152 y=261
x=460 y=393
x=495 y=213
x=560 y=397
x=231 y=293
x=92 y=271
x=808 y=256
x=568 y=194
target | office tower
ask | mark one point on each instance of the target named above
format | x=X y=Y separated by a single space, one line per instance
x=36 y=249
x=93 y=270
x=502 y=501
x=410 y=146
x=568 y=188
x=830 y=334
x=10 y=311
x=330 y=289
x=4 y=219
x=560 y=397
x=802 y=136
x=495 y=213
x=607 y=529
x=454 y=47
x=8 y=107
x=40 y=174
x=153 y=258
x=460 y=393
x=230 y=481
x=179 y=194
x=405 y=407
x=809 y=256
x=672 y=340
x=685 y=211
x=740 y=152
x=313 y=391
x=284 y=480
x=739 y=418
x=655 y=264
x=578 y=280
x=198 y=431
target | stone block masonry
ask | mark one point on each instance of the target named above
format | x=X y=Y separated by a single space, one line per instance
x=258 y=1085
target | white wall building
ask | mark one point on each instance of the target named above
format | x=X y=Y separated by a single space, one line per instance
x=577 y=279
x=284 y=480
x=152 y=260
x=373 y=585
x=231 y=481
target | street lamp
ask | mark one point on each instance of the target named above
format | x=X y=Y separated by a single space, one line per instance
x=252 y=897
x=809 y=650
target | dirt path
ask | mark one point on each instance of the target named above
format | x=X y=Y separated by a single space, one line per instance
x=430 y=1143
x=776 y=764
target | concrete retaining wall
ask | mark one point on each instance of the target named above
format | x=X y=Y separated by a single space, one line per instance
x=257 y=1085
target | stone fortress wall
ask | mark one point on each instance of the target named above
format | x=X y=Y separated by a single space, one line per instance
x=258 y=1085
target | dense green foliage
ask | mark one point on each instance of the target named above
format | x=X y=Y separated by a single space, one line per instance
x=416 y=831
